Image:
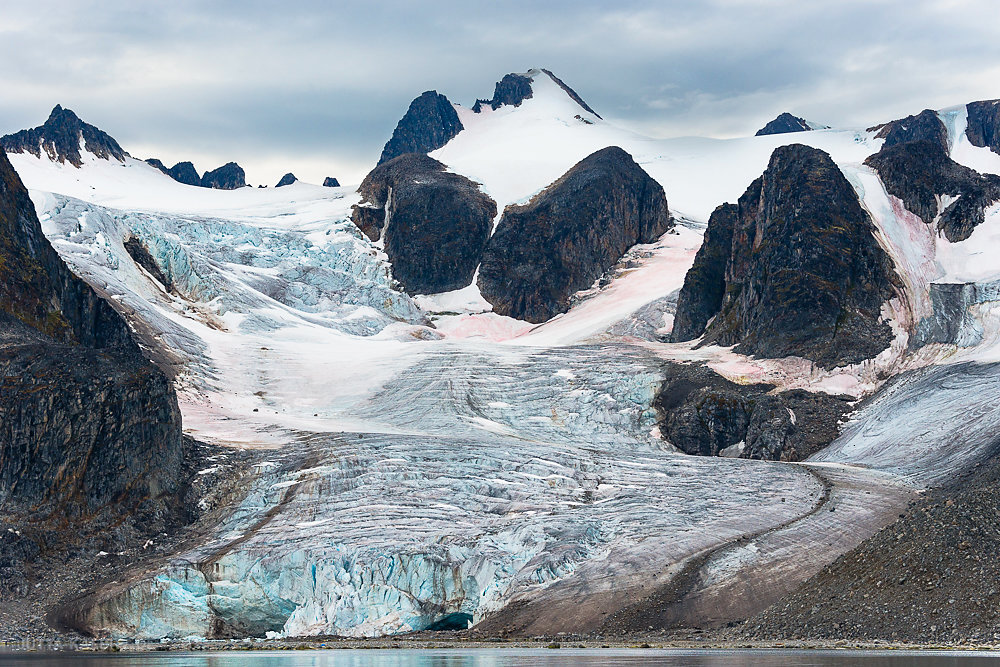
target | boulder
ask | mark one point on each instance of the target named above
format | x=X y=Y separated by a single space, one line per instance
x=568 y=235
x=428 y=124
x=804 y=275
x=435 y=224
x=229 y=176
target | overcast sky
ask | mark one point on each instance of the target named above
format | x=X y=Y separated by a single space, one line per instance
x=317 y=87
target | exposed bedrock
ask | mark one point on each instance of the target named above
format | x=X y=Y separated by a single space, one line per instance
x=61 y=137
x=435 y=223
x=287 y=179
x=804 y=274
x=87 y=422
x=568 y=235
x=229 y=176
x=921 y=174
x=925 y=126
x=983 y=127
x=331 y=182
x=512 y=89
x=703 y=413
x=784 y=124
x=428 y=124
x=182 y=172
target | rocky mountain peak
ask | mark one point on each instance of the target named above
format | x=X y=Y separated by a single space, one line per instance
x=428 y=124
x=513 y=89
x=229 y=176
x=61 y=138
x=287 y=179
x=785 y=123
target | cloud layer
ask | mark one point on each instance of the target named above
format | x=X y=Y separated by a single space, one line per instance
x=317 y=89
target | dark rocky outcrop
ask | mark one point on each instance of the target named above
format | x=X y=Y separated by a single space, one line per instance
x=182 y=172
x=784 y=124
x=512 y=89
x=569 y=91
x=920 y=172
x=229 y=176
x=805 y=275
x=428 y=124
x=435 y=223
x=925 y=126
x=983 y=128
x=60 y=137
x=569 y=234
x=87 y=424
x=330 y=182
x=705 y=283
x=287 y=179
x=140 y=254
x=702 y=413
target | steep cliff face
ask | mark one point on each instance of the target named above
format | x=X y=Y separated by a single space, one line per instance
x=428 y=124
x=804 y=274
x=60 y=138
x=705 y=283
x=87 y=424
x=983 y=128
x=569 y=234
x=229 y=176
x=925 y=126
x=435 y=223
x=921 y=174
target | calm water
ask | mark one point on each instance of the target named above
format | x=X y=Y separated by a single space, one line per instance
x=504 y=657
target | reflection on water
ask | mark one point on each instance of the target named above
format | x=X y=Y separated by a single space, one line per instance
x=512 y=657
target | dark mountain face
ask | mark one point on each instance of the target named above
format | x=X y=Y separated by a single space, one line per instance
x=287 y=179
x=925 y=126
x=784 y=124
x=330 y=182
x=705 y=283
x=60 y=137
x=229 y=176
x=428 y=124
x=568 y=235
x=89 y=425
x=182 y=172
x=435 y=223
x=512 y=89
x=983 y=129
x=920 y=173
x=804 y=274
x=702 y=413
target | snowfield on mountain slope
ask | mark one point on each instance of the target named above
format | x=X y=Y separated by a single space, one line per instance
x=284 y=330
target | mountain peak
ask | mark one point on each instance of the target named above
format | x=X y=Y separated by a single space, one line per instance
x=785 y=123
x=513 y=89
x=61 y=137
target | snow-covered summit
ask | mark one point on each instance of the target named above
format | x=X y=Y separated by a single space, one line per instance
x=62 y=138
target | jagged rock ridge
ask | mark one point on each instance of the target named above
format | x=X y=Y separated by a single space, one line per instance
x=428 y=124
x=435 y=223
x=512 y=89
x=61 y=136
x=182 y=172
x=562 y=240
x=920 y=173
x=804 y=276
x=784 y=124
